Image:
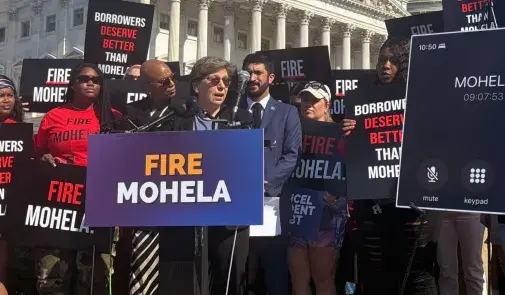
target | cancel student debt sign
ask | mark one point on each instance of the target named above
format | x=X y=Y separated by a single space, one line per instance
x=373 y=148
x=117 y=35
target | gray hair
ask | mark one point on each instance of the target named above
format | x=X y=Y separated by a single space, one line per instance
x=206 y=66
x=130 y=69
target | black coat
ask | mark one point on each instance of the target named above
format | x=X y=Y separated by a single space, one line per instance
x=140 y=114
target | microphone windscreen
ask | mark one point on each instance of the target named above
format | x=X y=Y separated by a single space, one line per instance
x=179 y=105
x=243 y=76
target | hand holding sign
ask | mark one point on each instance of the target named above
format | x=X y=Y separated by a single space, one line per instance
x=347 y=126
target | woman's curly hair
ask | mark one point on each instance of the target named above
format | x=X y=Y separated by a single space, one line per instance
x=102 y=106
x=17 y=113
x=400 y=49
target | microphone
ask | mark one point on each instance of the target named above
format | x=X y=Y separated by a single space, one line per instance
x=193 y=107
x=178 y=107
x=243 y=79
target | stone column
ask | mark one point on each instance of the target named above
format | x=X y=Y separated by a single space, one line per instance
x=38 y=29
x=305 y=18
x=326 y=33
x=257 y=7
x=175 y=21
x=365 y=49
x=295 y=33
x=346 y=46
x=203 y=20
x=282 y=10
x=229 y=29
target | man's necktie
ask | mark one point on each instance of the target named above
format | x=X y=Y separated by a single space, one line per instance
x=145 y=263
x=156 y=114
x=257 y=108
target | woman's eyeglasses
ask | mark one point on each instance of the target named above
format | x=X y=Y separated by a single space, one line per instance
x=215 y=81
x=86 y=79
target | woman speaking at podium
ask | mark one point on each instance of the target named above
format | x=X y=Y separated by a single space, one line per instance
x=210 y=80
x=63 y=138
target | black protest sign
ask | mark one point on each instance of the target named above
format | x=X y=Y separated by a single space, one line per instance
x=175 y=67
x=345 y=82
x=450 y=160
x=44 y=82
x=117 y=35
x=468 y=15
x=16 y=151
x=300 y=64
x=321 y=166
x=123 y=92
x=426 y=23
x=373 y=147
x=50 y=211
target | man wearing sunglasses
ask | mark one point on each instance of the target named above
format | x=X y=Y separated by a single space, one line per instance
x=281 y=125
x=160 y=82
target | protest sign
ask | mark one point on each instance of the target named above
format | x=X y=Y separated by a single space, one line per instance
x=199 y=181
x=373 y=147
x=306 y=212
x=426 y=23
x=117 y=35
x=468 y=15
x=16 y=149
x=449 y=161
x=50 y=211
x=343 y=86
x=175 y=67
x=123 y=92
x=321 y=166
x=44 y=82
x=300 y=64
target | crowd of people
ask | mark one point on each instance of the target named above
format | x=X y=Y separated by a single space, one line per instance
x=384 y=240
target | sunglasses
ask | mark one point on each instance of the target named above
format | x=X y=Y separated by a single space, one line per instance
x=86 y=79
x=131 y=77
x=215 y=81
x=168 y=81
x=317 y=86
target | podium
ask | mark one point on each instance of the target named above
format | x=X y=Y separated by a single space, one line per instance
x=224 y=187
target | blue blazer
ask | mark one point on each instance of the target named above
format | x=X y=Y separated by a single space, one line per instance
x=281 y=124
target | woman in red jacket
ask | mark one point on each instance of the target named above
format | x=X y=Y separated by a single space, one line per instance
x=63 y=132
x=63 y=138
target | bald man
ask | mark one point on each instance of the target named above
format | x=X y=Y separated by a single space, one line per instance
x=160 y=82
x=3 y=291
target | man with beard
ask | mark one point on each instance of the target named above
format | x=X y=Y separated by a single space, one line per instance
x=281 y=124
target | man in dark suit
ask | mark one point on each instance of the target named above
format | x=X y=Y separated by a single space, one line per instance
x=282 y=128
x=160 y=82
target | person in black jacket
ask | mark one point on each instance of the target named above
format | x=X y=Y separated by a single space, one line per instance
x=210 y=80
x=160 y=82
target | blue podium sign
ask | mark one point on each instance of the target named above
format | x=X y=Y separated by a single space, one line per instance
x=204 y=178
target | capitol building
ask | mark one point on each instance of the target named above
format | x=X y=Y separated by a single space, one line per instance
x=185 y=30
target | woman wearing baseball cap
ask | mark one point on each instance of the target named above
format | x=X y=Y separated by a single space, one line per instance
x=318 y=259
